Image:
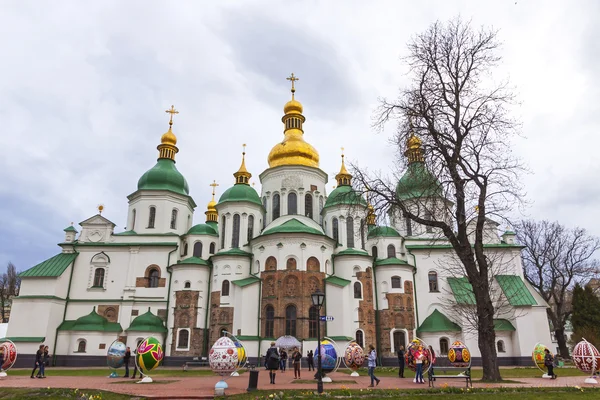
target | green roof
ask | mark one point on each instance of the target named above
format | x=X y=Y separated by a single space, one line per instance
x=417 y=182
x=438 y=322
x=341 y=338
x=246 y=281
x=193 y=260
x=390 y=261
x=147 y=322
x=293 y=226
x=91 y=322
x=462 y=290
x=164 y=176
x=337 y=281
x=202 y=229
x=52 y=267
x=240 y=192
x=25 y=339
x=70 y=229
x=126 y=233
x=382 y=231
x=515 y=290
x=233 y=252
x=503 y=325
x=344 y=195
x=352 y=252
x=134 y=233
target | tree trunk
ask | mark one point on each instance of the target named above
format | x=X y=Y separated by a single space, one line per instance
x=486 y=336
x=562 y=343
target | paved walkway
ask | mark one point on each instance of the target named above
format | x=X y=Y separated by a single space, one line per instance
x=203 y=387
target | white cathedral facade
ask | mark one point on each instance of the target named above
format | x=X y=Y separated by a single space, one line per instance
x=251 y=267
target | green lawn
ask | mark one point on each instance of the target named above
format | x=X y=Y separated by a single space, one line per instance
x=60 y=394
x=476 y=373
x=167 y=372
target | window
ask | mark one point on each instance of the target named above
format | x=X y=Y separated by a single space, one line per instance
x=211 y=249
x=391 y=251
x=444 y=346
x=308 y=206
x=350 y=232
x=270 y=321
x=428 y=228
x=500 y=346
x=81 y=346
x=99 y=277
x=152 y=217
x=235 y=234
x=223 y=332
x=334 y=228
x=133 y=220
x=399 y=339
x=360 y=338
x=291 y=263
x=313 y=265
x=362 y=234
x=223 y=231
x=187 y=285
x=276 y=209
x=183 y=339
x=198 y=249
x=433 y=282
x=313 y=321
x=250 y=227
x=185 y=249
x=374 y=251
x=408 y=226
x=264 y=202
x=357 y=290
x=153 y=278
x=292 y=203
x=225 y=288
x=174 y=219
x=396 y=282
x=271 y=264
x=321 y=209
x=290 y=320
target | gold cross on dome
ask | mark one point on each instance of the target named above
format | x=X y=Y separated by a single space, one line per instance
x=214 y=186
x=293 y=79
x=342 y=152
x=172 y=111
x=244 y=149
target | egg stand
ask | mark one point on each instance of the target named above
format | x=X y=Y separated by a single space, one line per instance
x=240 y=366
x=595 y=367
x=327 y=379
x=146 y=378
x=354 y=373
x=424 y=345
x=2 y=371
x=221 y=385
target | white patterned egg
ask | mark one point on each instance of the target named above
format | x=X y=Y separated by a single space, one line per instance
x=223 y=356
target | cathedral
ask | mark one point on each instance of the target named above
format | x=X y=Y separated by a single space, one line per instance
x=251 y=267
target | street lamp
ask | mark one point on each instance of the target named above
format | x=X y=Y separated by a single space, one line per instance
x=318 y=298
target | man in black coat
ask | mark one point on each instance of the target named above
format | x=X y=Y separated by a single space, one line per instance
x=126 y=360
x=272 y=361
x=39 y=358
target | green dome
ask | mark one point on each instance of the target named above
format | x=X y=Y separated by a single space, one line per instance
x=344 y=195
x=383 y=231
x=418 y=182
x=147 y=322
x=164 y=176
x=91 y=322
x=240 y=192
x=202 y=229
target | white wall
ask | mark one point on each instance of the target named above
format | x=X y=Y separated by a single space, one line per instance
x=164 y=202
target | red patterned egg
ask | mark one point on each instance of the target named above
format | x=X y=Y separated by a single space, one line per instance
x=223 y=356
x=8 y=355
x=459 y=355
x=586 y=357
x=354 y=356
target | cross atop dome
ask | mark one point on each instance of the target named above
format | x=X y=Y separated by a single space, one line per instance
x=293 y=79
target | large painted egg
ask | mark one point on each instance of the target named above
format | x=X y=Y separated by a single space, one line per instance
x=417 y=348
x=354 y=356
x=241 y=350
x=586 y=357
x=328 y=356
x=459 y=355
x=538 y=355
x=8 y=355
x=115 y=356
x=149 y=354
x=223 y=357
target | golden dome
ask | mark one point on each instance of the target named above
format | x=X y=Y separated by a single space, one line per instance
x=167 y=148
x=414 y=150
x=242 y=175
x=211 y=209
x=169 y=138
x=343 y=178
x=413 y=142
x=293 y=107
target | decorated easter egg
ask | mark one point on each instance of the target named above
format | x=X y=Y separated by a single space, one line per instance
x=328 y=356
x=149 y=354
x=538 y=354
x=459 y=355
x=417 y=348
x=354 y=356
x=586 y=357
x=241 y=350
x=223 y=357
x=8 y=355
x=115 y=356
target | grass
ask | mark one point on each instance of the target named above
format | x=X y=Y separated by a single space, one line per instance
x=60 y=394
x=159 y=372
x=476 y=373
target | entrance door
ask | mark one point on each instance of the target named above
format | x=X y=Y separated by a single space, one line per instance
x=399 y=340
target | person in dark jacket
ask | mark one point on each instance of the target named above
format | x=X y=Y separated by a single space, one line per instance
x=549 y=363
x=400 y=354
x=272 y=361
x=135 y=369
x=296 y=358
x=283 y=356
x=39 y=357
x=126 y=361
x=311 y=360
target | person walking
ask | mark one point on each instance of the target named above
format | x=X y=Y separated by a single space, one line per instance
x=310 y=359
x=135 y=368
x=272 y=361
x=400 y=354
x=39 y=356
x=126 y=361
x=296 y=358
x=283 y=359
x=432 y=360
x=45 y=363
x=419 y=363
x=549 y=363
x=372 y=363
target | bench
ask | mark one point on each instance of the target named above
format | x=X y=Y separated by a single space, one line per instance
x=464 y=373
x=203 y=362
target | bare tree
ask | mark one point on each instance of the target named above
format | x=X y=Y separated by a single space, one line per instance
x=554 y=260
x=10 y=284
x=456 y=125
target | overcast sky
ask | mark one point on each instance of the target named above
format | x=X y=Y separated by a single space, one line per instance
x=84 y=86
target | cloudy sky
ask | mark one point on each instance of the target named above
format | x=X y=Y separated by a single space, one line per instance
x=84 y=86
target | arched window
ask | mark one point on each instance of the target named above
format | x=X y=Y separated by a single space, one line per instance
x=292 y=203
x=183 y=339
x=235 y=235
x=99 y=277
x=290 y=320
x=276 y=206
x=374 y=251
x=81 y=346
x=269 y=321
x=408 y=226
x=350 y=231
x=399 y=339
x=185 y=249
x=427 y=217
x=187 y=285
x=198 y=249
x=225 y=288
x=308 y=206
x=133 y=220
x=250 y=227
x=152 y=217
x=211 y=249
x=223 y=231
x=391 y=251
x=357 y=290
x=444 y=346
x=362 y=234
x=360 y=338
x=271 y=264
x=264 y=202
x=321 y=209
x=334 y=228
x=396 y=282
x=433 y=282
x=153 y=278
x=291 y=263
x=501 y=348
x=313 y=321
x=174 y=219
x=313 y=265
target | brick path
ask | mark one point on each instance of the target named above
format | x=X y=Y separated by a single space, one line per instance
x=203 y=387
